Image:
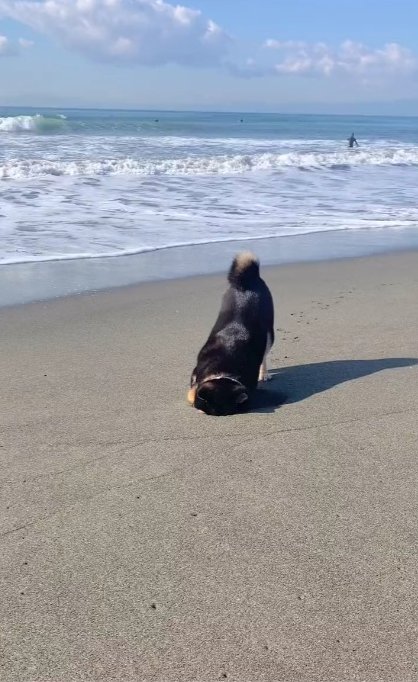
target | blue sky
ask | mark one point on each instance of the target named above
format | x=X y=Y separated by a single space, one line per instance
x=298 y=55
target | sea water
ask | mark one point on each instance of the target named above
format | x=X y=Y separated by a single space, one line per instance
x=89 y=184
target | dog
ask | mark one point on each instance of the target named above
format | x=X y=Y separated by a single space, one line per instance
x=234 y=358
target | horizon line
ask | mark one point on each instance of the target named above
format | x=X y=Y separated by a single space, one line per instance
x=200 y=111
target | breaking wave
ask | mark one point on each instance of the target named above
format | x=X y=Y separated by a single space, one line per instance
x=32 y=124
x=208 y=165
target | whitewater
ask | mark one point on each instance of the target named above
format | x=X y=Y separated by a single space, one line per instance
x=78 y=184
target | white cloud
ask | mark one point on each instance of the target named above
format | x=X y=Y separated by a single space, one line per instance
x=6 y=47
x=249 y=69
x=349 y=58
x=10 y=49
x=149 y=32
x=25 y=43
x=157 y=32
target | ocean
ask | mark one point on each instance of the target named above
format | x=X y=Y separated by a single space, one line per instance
x=89 y=184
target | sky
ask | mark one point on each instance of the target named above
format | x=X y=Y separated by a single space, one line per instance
x=340 y=56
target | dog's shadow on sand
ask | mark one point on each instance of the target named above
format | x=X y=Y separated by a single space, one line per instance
x=293 y=384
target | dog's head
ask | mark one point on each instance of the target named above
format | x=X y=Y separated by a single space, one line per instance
x=221 y=397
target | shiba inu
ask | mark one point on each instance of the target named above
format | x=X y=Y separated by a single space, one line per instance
x=233 y=359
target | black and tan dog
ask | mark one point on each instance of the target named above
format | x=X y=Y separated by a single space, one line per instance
x=233 y=358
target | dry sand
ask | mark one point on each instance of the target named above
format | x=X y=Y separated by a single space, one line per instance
x=141 y=540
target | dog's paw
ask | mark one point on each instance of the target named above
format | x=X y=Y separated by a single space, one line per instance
x=264 y=377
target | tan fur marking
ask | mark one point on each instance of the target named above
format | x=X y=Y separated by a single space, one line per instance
x=191 y=395
x=243 y=260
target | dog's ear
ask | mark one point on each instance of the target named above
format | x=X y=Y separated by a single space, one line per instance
x=242 y=398
x=241 y=395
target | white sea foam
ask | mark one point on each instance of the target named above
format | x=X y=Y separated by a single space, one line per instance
x=208 y=165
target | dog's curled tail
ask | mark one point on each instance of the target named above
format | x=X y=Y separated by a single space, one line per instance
x=244 y=270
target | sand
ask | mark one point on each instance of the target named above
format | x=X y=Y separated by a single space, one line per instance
x=141 y=540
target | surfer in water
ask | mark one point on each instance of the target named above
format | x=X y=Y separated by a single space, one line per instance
x=352 y=141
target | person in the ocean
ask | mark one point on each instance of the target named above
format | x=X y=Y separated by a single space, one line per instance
x=352 y=141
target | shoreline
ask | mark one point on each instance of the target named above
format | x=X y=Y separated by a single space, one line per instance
x=29 y=282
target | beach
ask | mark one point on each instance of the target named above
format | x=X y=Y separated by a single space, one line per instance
x=141 y=540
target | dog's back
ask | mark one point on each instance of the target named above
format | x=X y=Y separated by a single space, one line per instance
x=244 y=328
